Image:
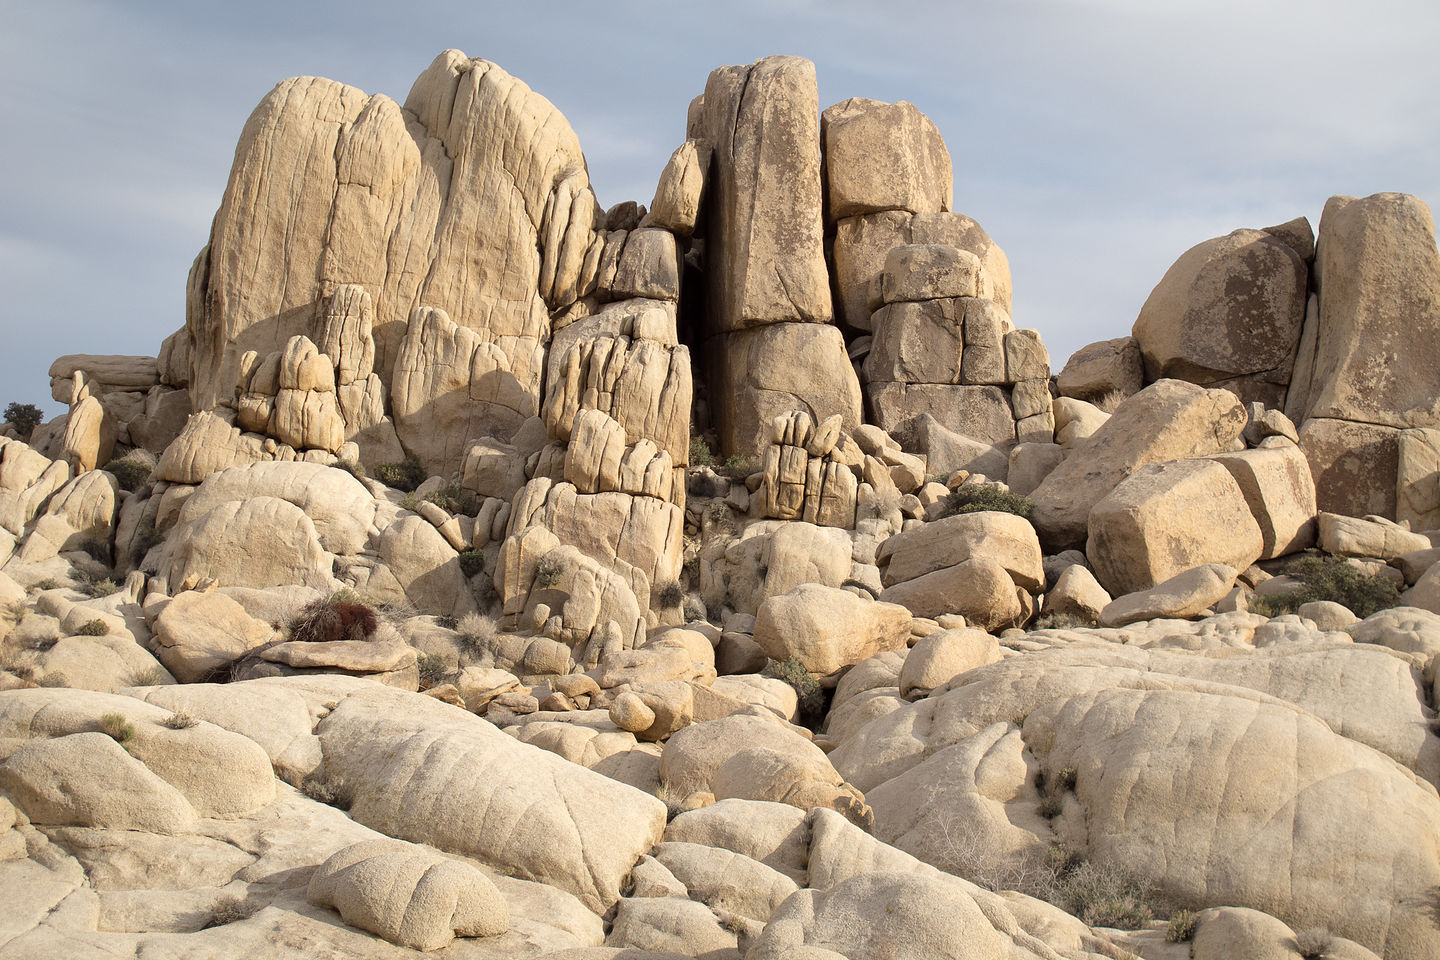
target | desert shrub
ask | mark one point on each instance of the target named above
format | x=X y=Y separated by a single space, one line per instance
x=117 y=728
x=433 y=669
x=1106 y=895
x=24 y=417
x=342 y=616
x=404 y=476
x=1330 y=578
x=976 y=498
x=153 y=677
x=738 y=467
x=54 y=679
x=476 y=630
x=1060 y=621
x=41 y=644
x=1110 y=401
x=351 y=467
x=670 y=594
x=229 y=909
x=1181 y=926
x=16 y=611
x=1051 y=806
x=472 y=562
x=966 y=849
x=93 y=628
x=1313 y=942
x=133 y=470
x=700 y=453
x=410 y=502
x=48 y=583
x=548 y=571
x=455 y=499
x=103 y=587
x=807 y=688
x=179 y=720
x=331 y=791
x=146 y=537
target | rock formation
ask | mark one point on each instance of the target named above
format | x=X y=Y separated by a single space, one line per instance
x=482 y=571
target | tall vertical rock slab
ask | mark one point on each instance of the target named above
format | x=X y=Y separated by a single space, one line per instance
x=766 y=251
x=1363 y=373
x=767 y=288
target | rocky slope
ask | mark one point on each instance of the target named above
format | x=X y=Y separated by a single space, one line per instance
x=482 y=572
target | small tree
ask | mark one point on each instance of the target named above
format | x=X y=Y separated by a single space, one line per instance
x=24 y=417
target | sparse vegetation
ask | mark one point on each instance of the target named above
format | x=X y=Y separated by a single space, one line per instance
x=227 y=910
x=117 y=728
x=146 y=537
x=738 y=467
x=472 y=562
x=153 y=677
x=807 y=688
x=977 y=498
x=670 y=594
x=1330 y=578
x=351 y=467
x=1181 y=927
x=1313 y=943
x=48 y=583
x=42 y=644
x=404 y=476
x=103 y=587
x=548 y=571
x=1110 y=401
x=455 y=499
x=1105 y=895
x=1060 y=621
x=477 y=631
x=410 y=502
x=93 y=628
x=433 y=669
x=342 y=616
x=700 y=453
x=24 y=417
x=331 y=791
x=16 y=611
x=133 y=470
x=179 y=720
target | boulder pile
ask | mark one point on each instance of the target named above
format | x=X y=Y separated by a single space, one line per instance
x=481 y=571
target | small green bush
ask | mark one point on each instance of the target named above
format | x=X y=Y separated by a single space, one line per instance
x=24 y=417
x=1330 y=578
x=404 y=476
x=101 y=588
x=975 y=498
x=548 y=571
x=133 y=470
x=738 y=467
x=179 y=720
x=410 y=502
x=700 y=453
x=93 y=628
x=146 y=537
x=1313 y=943
x=48 y=583
x=351 y=467
x=472 y=562
x=807 y=688
x=433 y=669
x=117 y=728
x=455 y=499
x=1181 y=926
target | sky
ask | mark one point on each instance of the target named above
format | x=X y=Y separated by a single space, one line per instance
x=1095 y=140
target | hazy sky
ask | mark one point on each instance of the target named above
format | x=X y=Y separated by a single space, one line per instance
x=1095 y=140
